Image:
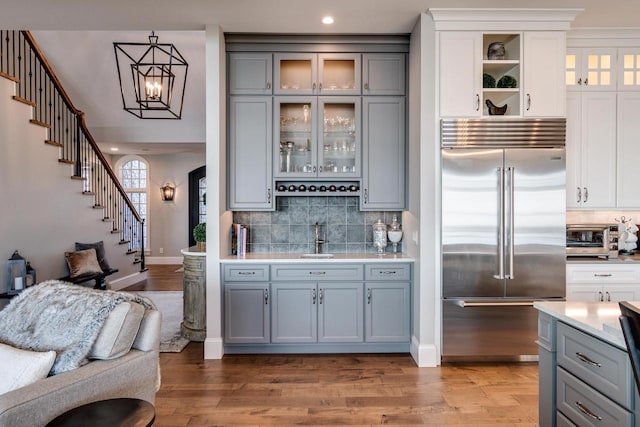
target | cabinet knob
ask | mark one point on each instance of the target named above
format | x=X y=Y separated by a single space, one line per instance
x=366 y=86
x=268 y=85
x=586 y=81
x=580 y=81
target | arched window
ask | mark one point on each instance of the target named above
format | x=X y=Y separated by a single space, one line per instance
x=133 y=172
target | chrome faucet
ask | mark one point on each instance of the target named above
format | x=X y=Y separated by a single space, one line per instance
x=318 y=241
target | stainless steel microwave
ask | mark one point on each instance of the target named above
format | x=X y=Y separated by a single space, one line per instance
x=596 y=240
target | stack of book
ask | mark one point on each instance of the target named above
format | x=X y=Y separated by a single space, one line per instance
x=239 y=234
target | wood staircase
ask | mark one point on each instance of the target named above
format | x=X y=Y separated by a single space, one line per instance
x=22 y=62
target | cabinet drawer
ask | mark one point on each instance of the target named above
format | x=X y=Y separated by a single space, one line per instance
x=584 y=406
x=387 y=272
x=602 y=366
x=316 y=272
x=562 y=421
x=245 y=273
x=603 y=274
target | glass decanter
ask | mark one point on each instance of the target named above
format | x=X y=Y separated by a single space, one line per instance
x=395 y=233
x=380 y=236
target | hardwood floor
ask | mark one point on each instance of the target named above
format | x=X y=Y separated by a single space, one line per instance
x=160 y=277
x=341 y=390
x=337 y=390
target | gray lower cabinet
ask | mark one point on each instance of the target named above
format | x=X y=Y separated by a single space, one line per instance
x=246 y=313
x=583 y=380
x=306 y=308
x=328 y=312
x=383 y=153
x=250 y=153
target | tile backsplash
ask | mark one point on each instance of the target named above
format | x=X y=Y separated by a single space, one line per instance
x=291 y=228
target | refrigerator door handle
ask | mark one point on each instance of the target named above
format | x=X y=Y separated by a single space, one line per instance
x=497 y=303
x=511 y=235
x=500 y=251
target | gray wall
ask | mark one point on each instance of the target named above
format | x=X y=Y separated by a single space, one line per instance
x=168 y=221
x=291 y=228
x=43 y=213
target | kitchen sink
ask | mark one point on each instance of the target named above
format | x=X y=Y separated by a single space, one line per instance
x=316 y=256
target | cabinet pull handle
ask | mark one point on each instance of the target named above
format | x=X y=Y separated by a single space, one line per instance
x=528 y=102
x=600 y=298
x=366 y=85
x=319 y=168
x=317 y=273
x=313 y=297
x=268 y=85
x=321 y=295
x=268 y=195
x=246 y=273
x=580 y=81
x=586 y=81
x=313 y=87
x=477 y=102
x=266 y=297
x=608 y=296
x=320 y=87
x=366 y=196
x=579 y=195
x=368 y=295
x=387 y=272
x=602 y=275
x=587 y=360
x=586 y=194
x=587 y=412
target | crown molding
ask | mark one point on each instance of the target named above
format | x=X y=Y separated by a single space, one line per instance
x=498 y=19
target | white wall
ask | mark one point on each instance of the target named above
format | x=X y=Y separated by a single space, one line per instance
x=422 y=217
x=217 y=236
x=168 y=221
x=43 y=213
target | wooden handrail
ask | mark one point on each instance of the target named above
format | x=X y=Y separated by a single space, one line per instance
x=82 y=123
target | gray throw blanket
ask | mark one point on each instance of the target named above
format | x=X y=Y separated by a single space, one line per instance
x=60 y=316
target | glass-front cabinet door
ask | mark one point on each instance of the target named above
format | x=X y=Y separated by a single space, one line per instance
x=317 y=74
x=339 y=137
x=317 y=137
x=295 y=135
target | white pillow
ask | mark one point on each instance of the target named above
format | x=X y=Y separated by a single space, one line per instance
x=19 y=368
x=118 y=332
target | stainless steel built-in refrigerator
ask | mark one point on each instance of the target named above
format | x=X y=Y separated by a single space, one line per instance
x=503 y=233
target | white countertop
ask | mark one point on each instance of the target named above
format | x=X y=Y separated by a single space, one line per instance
x=193 y=251
x=621 y=259
x=297 y=258
x=596 y=318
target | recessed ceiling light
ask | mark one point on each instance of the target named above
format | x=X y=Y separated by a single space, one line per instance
x=114 y=149
x=327 y=20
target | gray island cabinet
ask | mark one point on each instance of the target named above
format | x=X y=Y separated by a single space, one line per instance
x=317 y=307
x=585 y=376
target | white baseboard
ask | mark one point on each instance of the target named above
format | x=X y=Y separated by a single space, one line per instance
x=163 y=260
x=126 y=281
x=213 y=348
x=426 y=355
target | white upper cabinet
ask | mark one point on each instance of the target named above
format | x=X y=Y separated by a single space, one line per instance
x=510 y=74
x=544 y=89
x=629 y=69
x=628 y=194
x=590 y=69
x=460 y=74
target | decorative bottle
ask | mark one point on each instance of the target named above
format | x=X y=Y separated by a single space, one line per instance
x=394 y=233
x=380 y=236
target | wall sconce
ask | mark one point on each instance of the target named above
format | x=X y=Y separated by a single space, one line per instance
x=168 y=191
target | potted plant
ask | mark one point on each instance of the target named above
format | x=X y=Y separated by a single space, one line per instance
x=200 y=236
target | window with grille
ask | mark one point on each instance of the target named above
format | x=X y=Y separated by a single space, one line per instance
x=134 y=177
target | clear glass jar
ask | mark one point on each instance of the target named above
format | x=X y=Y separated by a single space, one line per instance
x=380 y=236
x=395 y=233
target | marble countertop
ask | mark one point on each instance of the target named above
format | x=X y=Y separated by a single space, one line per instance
x=599 y=319
x=297 y=258
x=193 y=251
x=621 y=259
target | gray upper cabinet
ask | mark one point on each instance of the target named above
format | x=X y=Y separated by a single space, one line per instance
x=383 y=74
x=250 y=153
x=250 y=74
x=246 y=313
x=317 y=74
x=383 y=153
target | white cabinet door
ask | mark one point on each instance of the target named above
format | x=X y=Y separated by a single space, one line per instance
x=629 y=69
x=544 y=88
x=590 y=69
x=460 y=73
x=628 y=171
x=584 y=293
x=591 y=150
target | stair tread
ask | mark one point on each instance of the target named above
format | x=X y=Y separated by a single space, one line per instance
x=39 y=123
x=54 y=143
x=116 y=231
x=7 y=76
x=89 y=193
x=69 y=162
x=79 y=178
x=24 y=100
